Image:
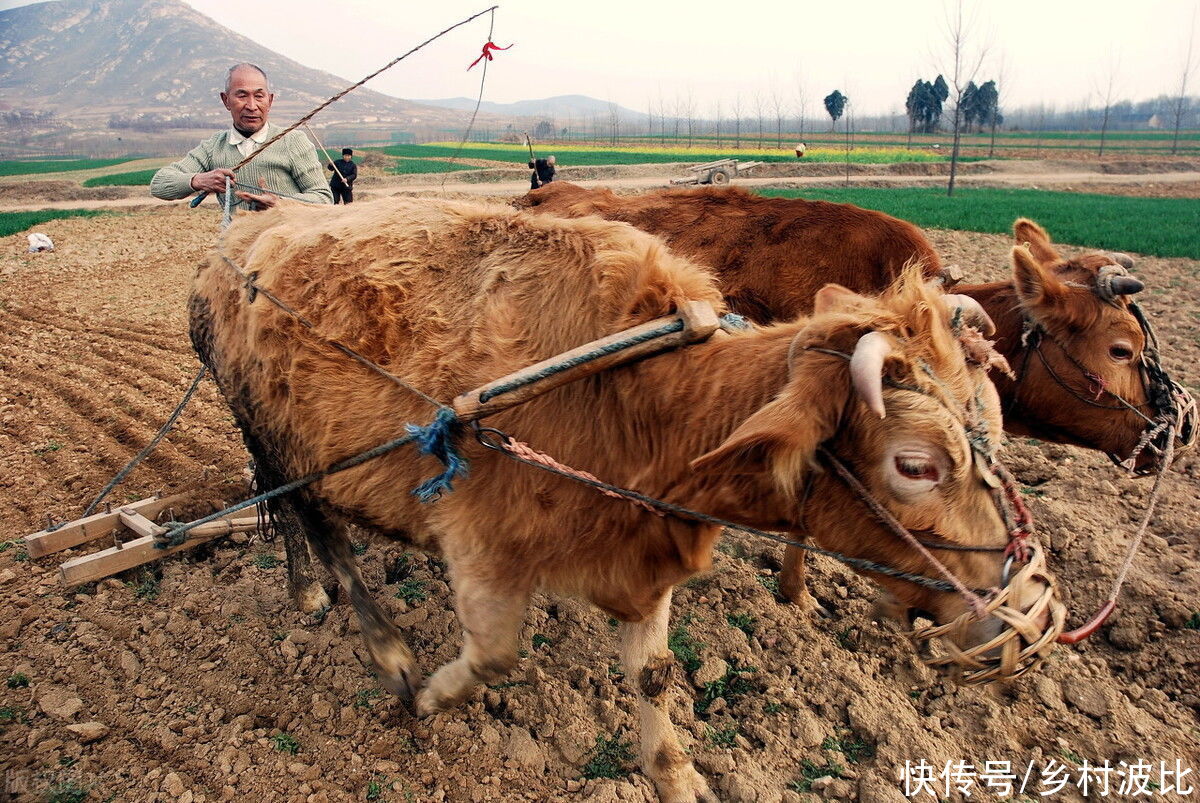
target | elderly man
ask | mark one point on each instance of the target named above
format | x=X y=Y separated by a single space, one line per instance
x=289 y=167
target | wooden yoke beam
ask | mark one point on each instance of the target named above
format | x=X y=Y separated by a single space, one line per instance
x=699 y=322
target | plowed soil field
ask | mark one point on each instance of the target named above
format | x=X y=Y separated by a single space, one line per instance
x=207 y=685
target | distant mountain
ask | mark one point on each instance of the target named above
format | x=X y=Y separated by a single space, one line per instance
x=103 y=58
x=560 y=107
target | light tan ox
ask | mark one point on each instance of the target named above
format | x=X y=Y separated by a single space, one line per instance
x=451 y=295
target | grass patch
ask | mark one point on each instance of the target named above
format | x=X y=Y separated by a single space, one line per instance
x=21 y=555
x=849 y=745
x=405 y=166
x=1194 y=622
x=363 y=698
x=50 y=446
x=266 y=560
x=147 y=585
x=726 y=738
x=731 y=686
x=18 y=681
x=684 y=645
x=285 y=743
x=13 y=222
x=573 y=155
x=412 y=591
x=11 y=714
x=136 y=178
x=539 y=640
x=1163 y=227
x=67 y=792
x=810 y=772
x=742 y=621
x=610 y=758
x=771 y=583
x=17 y=167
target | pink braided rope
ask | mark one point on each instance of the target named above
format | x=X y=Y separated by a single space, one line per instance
x=529 y=453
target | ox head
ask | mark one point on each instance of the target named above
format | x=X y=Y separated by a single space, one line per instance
x=1087 y=368
x=895 y=388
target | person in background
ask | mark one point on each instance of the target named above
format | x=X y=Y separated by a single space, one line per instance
x=290 y=166
x=341 y=183
x=543 y=172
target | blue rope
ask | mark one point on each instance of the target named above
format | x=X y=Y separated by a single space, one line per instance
x=732 y=322
x=437 y=440
x=595 y=354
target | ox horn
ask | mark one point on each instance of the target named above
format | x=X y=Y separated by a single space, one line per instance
x=973 y=312
x=1125 y=285
x=866 y=369
x=1124 y=260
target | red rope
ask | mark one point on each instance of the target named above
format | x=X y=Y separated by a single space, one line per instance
x=486 y=53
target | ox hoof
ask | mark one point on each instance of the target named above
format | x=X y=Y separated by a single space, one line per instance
x=398 y=672
x=430 y=702
x=805 y=601
x=688 y=786
x=311 y=598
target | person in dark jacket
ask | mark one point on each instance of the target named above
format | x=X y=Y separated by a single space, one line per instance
x=543 y=172
x=343 y=191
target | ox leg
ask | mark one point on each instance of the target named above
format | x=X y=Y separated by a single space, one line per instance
x=792 y=583
x=651 y=665
x=393 y=660
x=306 y=590
x=491 y=620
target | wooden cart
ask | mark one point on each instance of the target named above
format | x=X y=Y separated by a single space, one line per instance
x=719 y=172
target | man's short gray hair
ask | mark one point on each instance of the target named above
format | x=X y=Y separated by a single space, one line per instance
x=249 y=66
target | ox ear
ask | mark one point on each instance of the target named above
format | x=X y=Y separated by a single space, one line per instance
x=1036 y=286
x=782 y=437
x=834 y=296
x=1035 y=238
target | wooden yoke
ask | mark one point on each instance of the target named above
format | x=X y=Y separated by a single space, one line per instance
x=699 y=322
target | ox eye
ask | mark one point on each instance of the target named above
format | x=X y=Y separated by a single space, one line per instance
x=915 y=466
x=1121 y=352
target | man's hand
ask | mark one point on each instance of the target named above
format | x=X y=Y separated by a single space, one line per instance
x=213 y=180
x=264 y=201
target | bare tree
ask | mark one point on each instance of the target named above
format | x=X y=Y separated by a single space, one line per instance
x=801 y=104
x=649 y=118
x=718 y=118
x=737 y=121
x=1106 y=90
x=777 y=105
x=689 y=111
x=965 y=61
x=758 y=112
x=1188 y=68
x=614 y=123
x=1000 y=82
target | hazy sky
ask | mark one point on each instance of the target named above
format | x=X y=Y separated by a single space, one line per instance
x=1056 y=51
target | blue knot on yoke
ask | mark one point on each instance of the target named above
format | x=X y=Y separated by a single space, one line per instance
x=732 y=322
x=437 y=440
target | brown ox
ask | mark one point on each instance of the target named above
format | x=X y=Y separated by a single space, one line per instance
x=449 y=295
x=772 y=254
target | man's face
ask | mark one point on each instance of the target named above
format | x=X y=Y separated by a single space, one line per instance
x=345 y=157
x=248 y=100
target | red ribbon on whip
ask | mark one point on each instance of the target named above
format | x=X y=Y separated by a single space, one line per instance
x=488 y=47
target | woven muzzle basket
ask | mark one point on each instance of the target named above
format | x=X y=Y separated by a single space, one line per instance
x=1021 y=645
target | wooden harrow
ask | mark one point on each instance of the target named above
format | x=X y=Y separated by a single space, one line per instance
x=118 y=524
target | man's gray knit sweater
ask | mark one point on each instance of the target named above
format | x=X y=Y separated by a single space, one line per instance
x=290 y=167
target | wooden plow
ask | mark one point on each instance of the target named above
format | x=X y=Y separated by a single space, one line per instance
x=719 y=172
x=132 y=531
x=695 y=321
